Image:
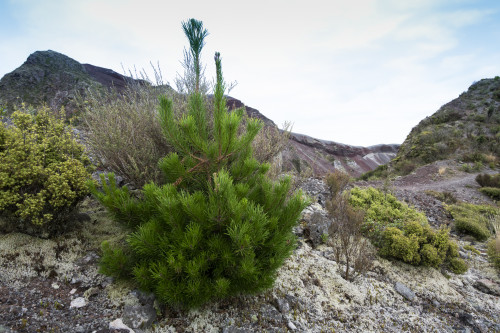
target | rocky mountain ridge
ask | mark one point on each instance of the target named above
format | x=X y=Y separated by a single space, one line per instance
x=55 y=79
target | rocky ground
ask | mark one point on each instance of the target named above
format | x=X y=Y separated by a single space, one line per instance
x=54 y=285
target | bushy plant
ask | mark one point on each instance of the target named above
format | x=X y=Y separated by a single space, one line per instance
x=337 y=182
x=43 y=172
x=473 y=219
x=402 y=233
x=123 y=130
x=420 y=245
x=492 y=192
x=383 y=209
x=218 y=227
x=486 y=180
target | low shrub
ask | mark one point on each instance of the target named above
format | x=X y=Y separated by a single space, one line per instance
x=420 y=245
x=446 y=197
x=124 y=133
x=379 y=172
x=43 y=172
x=337 y=182
x=346 y=236
x=473 y=219
x=402 y=233
x=492 y=192
x=383 y=209
x=405 y=167
x=486 y=180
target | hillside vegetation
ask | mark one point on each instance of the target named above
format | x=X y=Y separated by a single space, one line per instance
x=466 y=129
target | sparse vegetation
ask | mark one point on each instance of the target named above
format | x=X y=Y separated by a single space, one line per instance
x=446 y=197
x=43 y=171
x=349 y=245
x=124 y=133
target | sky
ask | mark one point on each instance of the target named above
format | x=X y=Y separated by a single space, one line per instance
x=359 y=72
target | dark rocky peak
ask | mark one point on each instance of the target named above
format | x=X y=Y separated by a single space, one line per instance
x=54 y=61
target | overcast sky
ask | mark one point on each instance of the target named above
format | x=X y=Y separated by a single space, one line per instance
x=359 y=72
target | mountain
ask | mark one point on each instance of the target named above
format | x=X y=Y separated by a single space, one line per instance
x=466 y=129
x=305 y=154
x=55 y=79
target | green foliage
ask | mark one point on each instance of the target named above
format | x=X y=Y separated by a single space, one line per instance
x=472 y=249
x=196 y=34
x=419 y=245
x=383 y=208
x=218 y=227
x=494 y=252
x=402 y=233
x=43 y=171
x=473 y=219
x=492 y=192
x=379 y=172
x=457 y=266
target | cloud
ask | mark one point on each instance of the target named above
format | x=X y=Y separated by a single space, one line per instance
x=359 y=72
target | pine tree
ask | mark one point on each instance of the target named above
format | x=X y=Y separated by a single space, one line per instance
x=218 y=227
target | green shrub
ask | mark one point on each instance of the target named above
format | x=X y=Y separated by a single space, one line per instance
x=419 y=245
x=402 y=233
x=492 y=192
x=383 y=208
x=457 y=266
x=494 y=252
x=379 y=172
x=473 y=219
x=43 y=172
x=218 y=227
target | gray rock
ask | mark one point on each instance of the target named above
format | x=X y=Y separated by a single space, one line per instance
x=464 y=255
x=232 y=329
x=90 y=258
x=139 y=316
x=317 y=225
x=144 y=298
x=4 y=329
x=271 y=314
x=283 y=305
x=404 y=291
x=487 y=287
